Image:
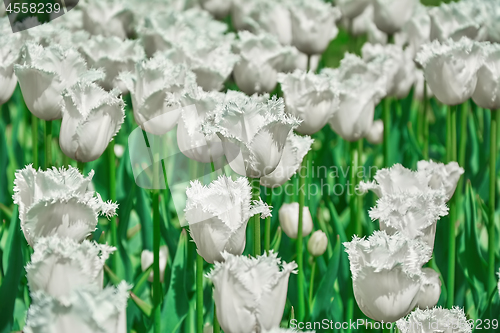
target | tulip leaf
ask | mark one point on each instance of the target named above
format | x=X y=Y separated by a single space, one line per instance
x=143 y=306
x=143 y=208
x=141 y=280
x=275 y=244
x=112 y=276
x=176 y=304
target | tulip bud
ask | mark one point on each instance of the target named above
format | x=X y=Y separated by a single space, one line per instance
x=317 y=243
x=435 y=320
x=218 y=216
x=430 y=289
x=147 y=259
x=487 y=93
x=376 y=133
x=391 y=15
x=108 y=18
x=289 y=220
x=441 y=175
x=9 y=55
x=258 y=285
x=119 y=150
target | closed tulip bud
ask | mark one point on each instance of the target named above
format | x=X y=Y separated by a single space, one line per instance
x=313 y=25
x=147 y=258
x=317 y=243
x=442 y=175
x=218 y=215
x=352 y=8
x=309 y=97
x=289 y=220
x=250 y=293
x=44 y=73
x=108 y=18
x=91 y=118
x=450 y=69
x=296 y=148
x=9 y=55
x=114 y=56
x=58 y=202
x=435 y=320
x=387 y=274
x=391 y=15
x=83 y=311
x=218 y=8
x=375 y=135
x=59 y=266
x=261 y=58
x=155 y=89
x=253 y=133
x=487 y=93
x=430 y=289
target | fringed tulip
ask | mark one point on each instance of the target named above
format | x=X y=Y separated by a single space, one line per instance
x=435 y=320
x=487 y=93
x=58 y=202
x=147 y=258
x=391 y=15
x=289 y=220
x=317 y=243
x=250 y=293
x=442 y=175
x=418 y=29
x=218 y=215
x=108 y=18
x=9 y=55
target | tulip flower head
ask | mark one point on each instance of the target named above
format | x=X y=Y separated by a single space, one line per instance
x=418 y=29
x=218 y=8
x=430 y=291
x=147 y=258
x=108 y=18
x=352 y=8
x=218 y=215
x=9 y=55
x=391 y=15
x=58 y=202
x=487 y=93
x=250 y=293
x=60 y=265
x=375 y=135
x=317 y=243
x=289 y=220
x=442 y=175
x=435 y=320
x=309 y=97
x=253 y=133
x=387 y=274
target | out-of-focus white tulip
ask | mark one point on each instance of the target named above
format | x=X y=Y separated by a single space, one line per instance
x=487 y=93
x=296 y=148
x=450 y=69
x=435 y=320
x=359 y=25
x=418 y=29
x=218 y=215
x=352 y=8
x=289 y=220
x=192 y=142
x=119 y=150
x=58 y=202
x=261 y=58
x=376 y=133
x=418 y=93
x=108 y=18
x=301 y=62
x=91 y=118
x=114 y=56
x=492 y=11
x=60 y=266
x=309 y=97
x=9 y=55
x=155 y=88
x=84 y=311
x=253 y=133
x=313 y=25
x=250 y=293
x=442 y=175
x=218 y=8
x=387 y=274
x=317 y=243
x=430 y=289
x=147 y=258
x=43 y=75
x=391 y=15
x=405 y=77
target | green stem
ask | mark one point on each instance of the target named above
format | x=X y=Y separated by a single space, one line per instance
x=199 y=293
x=463 y=140
x=300 y=259
x=256 y=225
x=359 y=198
x=267 y=230
x=425 y=125
x=495 y=117
x=34 y=138
x=112 y=197
x=386 y=114
x=354 y=225
x=311 y=283
x=48 y=144
x=156 y=261
x=216 y=321
x=80 y=166
x=448 y=134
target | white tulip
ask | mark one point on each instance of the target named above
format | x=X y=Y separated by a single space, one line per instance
x=250 y=293
x=218 y=8
x=442 y=175
x=309 y=97
x=84 y=311
x=435 y=320
x=296 y=148
x=375 y=135
x=352 y=8
x=313 y=25
x=418 y=29
x=58 y=202
x=147 y=259
x=261 y=58
x=253 y=133
x=387 y=274
x=289 y=220
x=317 y=243
x=430 y=289
x=43 y=75
x=418 y=93
x=391 y=15
x=218 y=215
x=156 y=87
x=59 y=266
x=91 y=118
x=9 y=55
x=487 y=93
x=492 y=21
x=376 y=36
x=405 y=77
x=301 y=62
x=114 y=55
x=360 y=24
x=450 y=69
x=108 y=18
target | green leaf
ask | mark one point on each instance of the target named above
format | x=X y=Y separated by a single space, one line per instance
x=176 y=303
x=275 y=244
x=141 y=280
x=143 y=306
